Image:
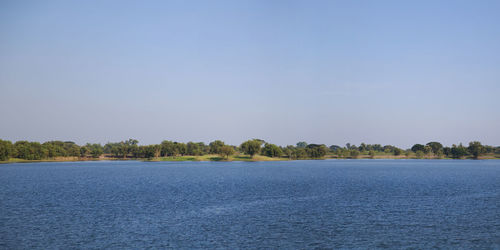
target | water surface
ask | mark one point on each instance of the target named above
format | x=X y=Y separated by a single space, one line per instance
x=297 y=204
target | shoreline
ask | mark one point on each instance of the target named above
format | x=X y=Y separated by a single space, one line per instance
x=238 y=158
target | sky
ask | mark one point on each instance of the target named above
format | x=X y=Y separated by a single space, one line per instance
x=330 y=72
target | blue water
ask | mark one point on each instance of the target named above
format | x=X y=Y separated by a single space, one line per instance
x=298 y=204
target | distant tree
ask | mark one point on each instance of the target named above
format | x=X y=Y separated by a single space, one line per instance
x=226 y=151
x=128 y=147
x=407 y=153
x=377 y=147
x=204 y=149
x=115 y=149
x=6 y=150
x=334 y=148
x=316 y=150
x=290 y=152
x=435 y=146
x=286 y=152
x=372 y=154
x=341 y=152
x=251 y=147
x=459 y=151
x=489 y=149
x=107 y=148
x=157 y=150
x=397 y=151
x=427 y=149
x=168 y=148
x=54 y=148
x=71 y=148
x=84 y=151
x=439 y=154
x=417 y=147
x=447 y=151
x=300 y=153
x=95 y=150
x=180 y=148
x=193 y=149
x=260 y=141
x=150 y=151
x=419 y=154
x=354 y=153
x=301 y=144
x=389 y=149
x=216 y=146
x=476 y=149
x=271 y=150
x=30 y=150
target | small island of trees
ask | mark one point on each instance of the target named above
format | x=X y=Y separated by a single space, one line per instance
x=250 y=150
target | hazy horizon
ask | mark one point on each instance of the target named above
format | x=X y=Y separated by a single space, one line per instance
x=330 y=72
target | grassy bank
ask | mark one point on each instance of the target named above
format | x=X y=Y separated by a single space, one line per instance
x=239 y=157
x=219 y=158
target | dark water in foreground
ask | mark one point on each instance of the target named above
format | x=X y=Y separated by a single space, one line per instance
x=300 y=204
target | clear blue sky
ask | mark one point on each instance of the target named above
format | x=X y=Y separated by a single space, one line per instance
x=332 y=72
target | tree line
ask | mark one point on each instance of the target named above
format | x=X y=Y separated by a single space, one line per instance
x=131 y=149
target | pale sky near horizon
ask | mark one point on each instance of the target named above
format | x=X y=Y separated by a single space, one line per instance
x=332 y=72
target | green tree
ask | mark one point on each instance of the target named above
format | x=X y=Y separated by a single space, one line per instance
x=204 y=149
x=6 y=150
x=459 y=151
x=316 y=150
x=354 y=153
x=95 y=150
x=334 y=148
x=271 y=150
x=447 y=151
x=290 y=151
x=286 y=152
x=417 y=147
x=389 y=149
x=54 y=149
x=407 y=153
x=193 y=149
x=226 y=151
x=30 y=150
x=128 y=146
x=300 y=153
x=419 y=154
x=168 y=148
x=149 y=151
x=84 y=151
x=180 y=148
x=427 y=149
x=251 y=147
x=340 y=152
x=435 y=146
x=476 y=149
x=71 y=148
x=115 y=149
x=397 y=151
x=301 y=144
x=215 y=146
x=157 y=150
x=439 y=154
x=372 y=154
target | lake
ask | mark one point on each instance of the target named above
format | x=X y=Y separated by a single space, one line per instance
x=296 y=204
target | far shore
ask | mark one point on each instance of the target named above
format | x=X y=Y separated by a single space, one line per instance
x=247 y=158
